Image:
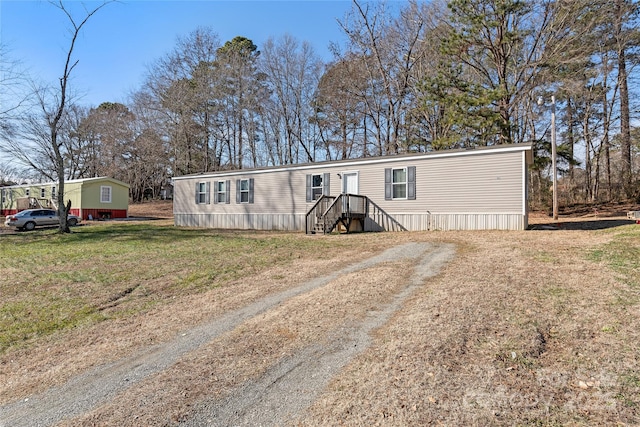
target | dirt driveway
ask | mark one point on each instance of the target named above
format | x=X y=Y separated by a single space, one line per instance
x=261 y=364
x=538 y=327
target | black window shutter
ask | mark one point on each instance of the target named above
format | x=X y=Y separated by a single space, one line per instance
x=388 y=193
x=326 y=190
x=238 y=198
x=197 y=193
x=215 y=192
x=411 y=183
x=251 y=190
x=228 y=192
x=309 y=189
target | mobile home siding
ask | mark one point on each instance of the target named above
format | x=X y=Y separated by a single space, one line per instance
x=73 y=191
x=12 y=194
x=479 y=189
x=92 y=204
x=84 y=195
x=278 y=204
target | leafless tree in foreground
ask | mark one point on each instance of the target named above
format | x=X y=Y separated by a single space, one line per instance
x=54 y=111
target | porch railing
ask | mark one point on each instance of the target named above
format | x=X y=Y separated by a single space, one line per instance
x=315 y=213
x=336 y=209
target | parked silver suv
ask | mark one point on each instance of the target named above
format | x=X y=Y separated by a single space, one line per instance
x=30 y=218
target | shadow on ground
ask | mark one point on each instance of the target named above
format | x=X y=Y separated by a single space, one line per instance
x=593 y=224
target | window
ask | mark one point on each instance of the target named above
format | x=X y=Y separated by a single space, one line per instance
x=317 y=185
x=43 y=193
x=53 y=192
x=244 y=191
x=400 y=183
x=222 y=190
x=105 y=194
x=202 y=193
x=7 y=196
x=27 y=192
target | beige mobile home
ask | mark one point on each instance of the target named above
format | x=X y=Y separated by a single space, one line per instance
x=477 y=189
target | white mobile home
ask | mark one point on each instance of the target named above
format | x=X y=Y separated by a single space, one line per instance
x=476 y=189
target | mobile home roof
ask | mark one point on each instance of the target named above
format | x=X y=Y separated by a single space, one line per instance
x=369 y=160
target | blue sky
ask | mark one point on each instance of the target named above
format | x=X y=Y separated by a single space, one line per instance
x=123 y=39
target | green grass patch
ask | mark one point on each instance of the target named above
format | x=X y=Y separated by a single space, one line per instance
x=24 y=321
x=629 y=394
x=622 y=254
x=543 y=256
x=52 y=282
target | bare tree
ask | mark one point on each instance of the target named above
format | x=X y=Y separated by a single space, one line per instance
x=53 y=105
x=9 y=174
x=12 y=96
x=110 y=129
x=241 y=88
x=149 y=165
x=340 y=112
x=626 y=38
x=12 y=99
x=388 y=50
x=292 y=71
x=181 y=86
x=76 y=146
x=590 y=74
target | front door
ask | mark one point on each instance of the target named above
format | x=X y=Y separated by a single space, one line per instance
x=350 y=182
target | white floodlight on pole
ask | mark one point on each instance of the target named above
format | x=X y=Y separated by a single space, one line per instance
x=553 y=154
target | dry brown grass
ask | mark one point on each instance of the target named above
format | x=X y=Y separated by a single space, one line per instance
x=152 y=209
x=51 y=360
x=521 y=328
x=248 y=351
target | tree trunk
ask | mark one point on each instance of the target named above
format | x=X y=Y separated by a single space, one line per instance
x=587 y=158
x=569 y=137
x=240 y=142
x=596 y=176
x=606 y=146
x=625 y=129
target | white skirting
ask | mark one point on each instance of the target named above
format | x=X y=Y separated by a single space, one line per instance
x=374 y=222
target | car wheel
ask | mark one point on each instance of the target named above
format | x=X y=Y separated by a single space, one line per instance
x=29 y=226
x=72 y=222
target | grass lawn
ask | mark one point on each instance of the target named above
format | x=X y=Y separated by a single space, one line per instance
x=521 y=328
x=52 y=282
x=532 y=328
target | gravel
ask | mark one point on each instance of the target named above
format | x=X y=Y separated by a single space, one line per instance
x=278 y=397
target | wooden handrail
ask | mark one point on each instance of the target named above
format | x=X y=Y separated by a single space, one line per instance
x=317 y=208
x=327 y=211
x=331 y=215
x=345 y=208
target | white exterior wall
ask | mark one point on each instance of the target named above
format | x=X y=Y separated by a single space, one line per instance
x=460 y=190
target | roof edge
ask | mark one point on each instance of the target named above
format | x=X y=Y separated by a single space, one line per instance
x=70 y=181
x=524 y=147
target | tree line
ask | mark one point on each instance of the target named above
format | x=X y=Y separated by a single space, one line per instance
x=410 y=77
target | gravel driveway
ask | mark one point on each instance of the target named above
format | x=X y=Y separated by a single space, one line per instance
x=278 y=396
